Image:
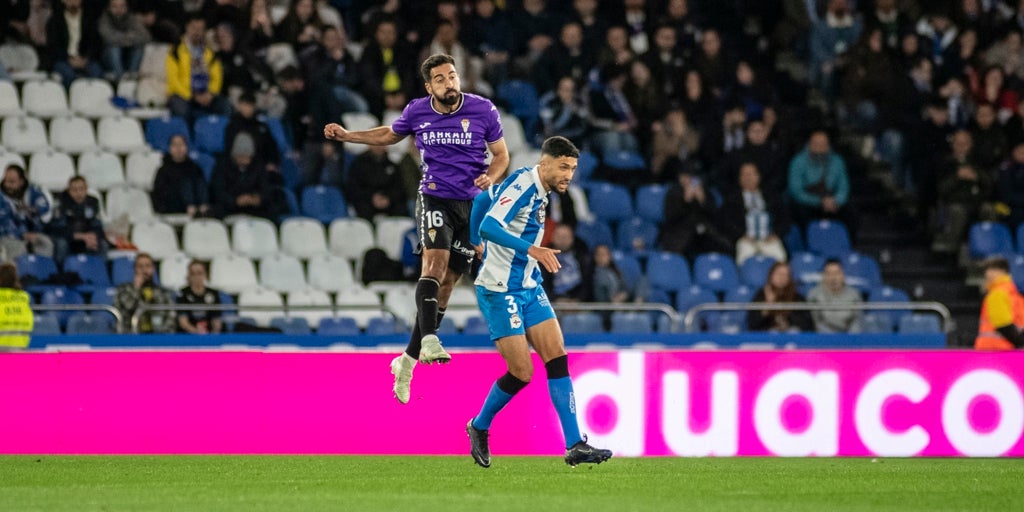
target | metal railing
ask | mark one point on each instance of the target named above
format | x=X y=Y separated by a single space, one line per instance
x=241 y=310
x=575 y=307
x=935 y=307
x=118 y=317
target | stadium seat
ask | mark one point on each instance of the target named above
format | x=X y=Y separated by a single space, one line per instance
x=277 y=132
x=861 y=271
x=1017 y=270
x=259 y=297
x=715 y=271
x=693 y=295
x=889 y=294
x=523 y=102
x=44 y=98
x=391 y=234
x=340 y=326
x=828 y=238
x=92 y=270
x=209 y=133
x=806 y=267
x=631 y=323
x=636 y=235
x=1020 y=238
x=401 y=301
x=581 y=323
x=794 y=240
x=310 y=297
x=155 y=237
x=350 y=237
x=205 y=238
x=667 y=271
x=323 y=203
x=131 y=202
x=102 y=170
x=8 y=157
x=122 y=270
x=383 y=326
x=174 y=271
x=104 y=296
x=205 y=162
x=50 y=169
x=141 y=167
x=741 y=293
x=476 y=326
x=120 y=134
x=34 y=268
x=515 y=137
x=875 y=322
x=72 y=134
x=90 y=97
x=447 y=327
x=524 y=158
x=754 y=270
x=90 y=323
x=918 y=323
x=586 y=164
x=254 y=237
x=23 y=135
x=595 y=233
x=10 y=102
x=629 y=267
x=303 y=237
x=650 y=202
x=628 y=161
x=330 y=273
x=291 y=325
x=62 y=296
x=160 y=129
x=358 y=121
x=46 y=324
x=282 y=273
x=232 y=273
x=359 y=303
x=989 y=239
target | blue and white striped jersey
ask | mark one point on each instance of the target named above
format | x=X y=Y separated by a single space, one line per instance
x=519 y=207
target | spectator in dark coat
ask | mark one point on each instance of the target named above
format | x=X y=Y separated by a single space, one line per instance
x=780 y=287
x=240 y=184
x=71 y=63
x=690 y=226
x=244 y=120
x=375 y=185
x=76 y=226
x=179 y=186
x=1010 y=186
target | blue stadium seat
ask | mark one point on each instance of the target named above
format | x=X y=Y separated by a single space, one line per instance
x=610 y=202
x=806 y=267
x=291 y=325
x=291 y=202
x=476 y=325
x=382 y=326
x=876 y=322
x=918 y=323
x=667 y=271
x=523 y=102
x=624 y=160
x=39 y=268
x=629 y=267
x=586 y=164
x=1020 y=238
x=209 y=133
x=595 y=233
x=122 y=270
x=103 y=296
x=715 y=271
x=62 y=296
x=1017 y=270
x=581 y=323
x=650 y=202
x=754 y=270
x=861 y=271
x=277 y=131
x=889 y=294
x=794 y=240
x=339 y=326
x=693 y=295
x=160 y=129
x=631 y=323
x=636 y=235
x=86 y=323
x=92 y=270
x=741 y=293
x=828 y=238
x=323 y=203
x=989 y=239
x=46 y=324
x=447 y=327
x=205 y=163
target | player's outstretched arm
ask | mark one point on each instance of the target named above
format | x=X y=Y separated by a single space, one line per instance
x=379 y=136
x=496 y=171
x=492 y=231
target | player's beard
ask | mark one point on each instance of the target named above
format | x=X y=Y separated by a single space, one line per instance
x=449 y=101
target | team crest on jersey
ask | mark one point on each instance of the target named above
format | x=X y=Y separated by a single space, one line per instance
x=432 y=234
x=465 y=125
x=432 y=186
x=514 y=321
x=504 y=201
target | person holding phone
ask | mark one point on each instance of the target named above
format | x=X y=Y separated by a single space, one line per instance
x=143 y=289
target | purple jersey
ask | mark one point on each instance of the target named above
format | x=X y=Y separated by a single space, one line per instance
x=452 y=146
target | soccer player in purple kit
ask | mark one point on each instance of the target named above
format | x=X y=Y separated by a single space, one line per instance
x=454 y=131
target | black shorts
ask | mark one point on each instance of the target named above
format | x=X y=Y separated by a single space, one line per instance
x=444 y=224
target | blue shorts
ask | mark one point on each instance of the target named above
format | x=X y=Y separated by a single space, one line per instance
x=511 y=313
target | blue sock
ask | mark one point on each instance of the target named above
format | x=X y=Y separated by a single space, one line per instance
x=564 y=401
x=496 y=400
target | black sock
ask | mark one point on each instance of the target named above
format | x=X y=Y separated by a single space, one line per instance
x=413 y=348
x=426 y=305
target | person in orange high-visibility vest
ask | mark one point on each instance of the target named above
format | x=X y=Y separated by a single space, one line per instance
x=1002 y=311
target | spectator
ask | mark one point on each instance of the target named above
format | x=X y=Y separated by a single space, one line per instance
x=563 y=112
x=764 y=153
x=748 y=90
x=301 y=26
x=334 y=72
x=615 y=50
x=609 y=285
x=612 y=118
x=1008 y=55
x=725 y=136
x=258 y=33
x=535 y=28
x=834 y=291
x=961 y=60
x=387 y=66
x=179 y=186
x=667 y=63
x=574 y=281
x=961 y=151
x=990 y=145
x=74 y=42
x=689 y=227
x=593 y=23
x=701 y=107
x=199 y=321
x=142 y=289
x=753 y=218
x=163 y=19
x=818 y=184
x=1015 y=125
x=780 y=288
x=241 y=68
x=375 y=185
x=638 y=24
x=324 y=164
x=713 y=63
x=76 y=225
x=446 y=41
x=240 y=185
x=298 y=118
x=487 y=35
x=1010 y=186
x=992 y=89
x=867 y=75
x=194 y=75
x=16 y=322
x=892 y=22
x=565 y=57
x=244 y=120
x=961 y=197
x=831 y=37
x=675 y=143
x=645 y=101
x=938 y=30
x=124 y=37
x=24 y=211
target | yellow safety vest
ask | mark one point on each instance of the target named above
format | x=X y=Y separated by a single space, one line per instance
x=15 y=317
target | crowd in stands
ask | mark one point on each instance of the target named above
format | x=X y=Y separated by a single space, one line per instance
x=733 y=127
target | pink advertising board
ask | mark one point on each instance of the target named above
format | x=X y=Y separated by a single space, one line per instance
x=658 y=403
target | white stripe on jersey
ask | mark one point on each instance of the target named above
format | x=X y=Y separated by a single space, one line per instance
x=519 y=206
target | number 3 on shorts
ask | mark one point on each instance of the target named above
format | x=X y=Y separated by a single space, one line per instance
x=435 y=219
x=512 y=308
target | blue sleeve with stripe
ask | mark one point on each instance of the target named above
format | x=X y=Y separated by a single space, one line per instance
x=481 y=203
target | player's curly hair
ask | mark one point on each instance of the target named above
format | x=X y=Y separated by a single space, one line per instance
x=558 y=147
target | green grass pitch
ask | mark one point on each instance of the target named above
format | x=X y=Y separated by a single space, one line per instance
x=534 y=484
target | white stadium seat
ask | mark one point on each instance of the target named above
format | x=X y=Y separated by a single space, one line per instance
x=391 y=234
x=310 y=297
x=51 y=169
x=350 y=237
x=102 y=170
x=90 y=97
x=23 y=134
x=120 y=134
x=330 y=273
x=174 y=271
x=232 y=273
x=141 y=167
x=130 y=202
x=205 y=238
x=358 y=121
x=44 y=98
x=254 y=237
x=358 y=303
x=72 y=134
x=282 y=273
x=259 y=297
x=303 y=237
x=156 y=238
x=10 y=103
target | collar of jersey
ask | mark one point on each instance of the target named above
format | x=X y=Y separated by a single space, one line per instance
x=462 y=101
x=535 y=176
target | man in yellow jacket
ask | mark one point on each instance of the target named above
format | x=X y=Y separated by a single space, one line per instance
x=194 y=75
x=1002 y=311
x=15 y=312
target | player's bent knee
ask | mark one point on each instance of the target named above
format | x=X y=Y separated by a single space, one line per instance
x=558 y=367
